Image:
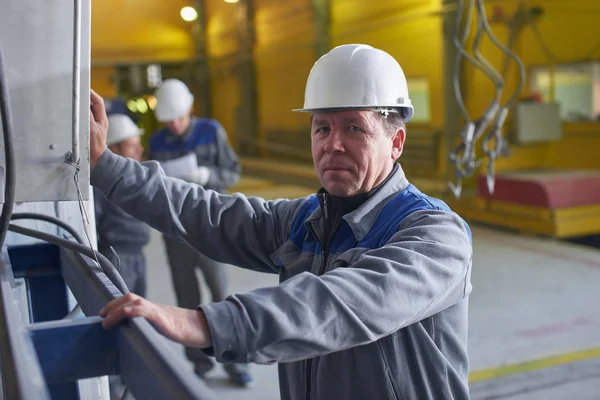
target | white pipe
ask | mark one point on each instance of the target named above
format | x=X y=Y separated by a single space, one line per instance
x=76 y=80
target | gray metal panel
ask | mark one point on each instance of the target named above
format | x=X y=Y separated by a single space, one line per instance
x=36 y=38
x=537 y=123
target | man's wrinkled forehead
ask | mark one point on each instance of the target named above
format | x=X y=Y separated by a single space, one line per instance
x=340 y=116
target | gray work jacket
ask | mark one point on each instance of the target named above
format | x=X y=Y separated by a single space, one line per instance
x=384 y=317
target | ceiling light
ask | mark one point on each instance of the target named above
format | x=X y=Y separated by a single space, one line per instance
x=189 y=14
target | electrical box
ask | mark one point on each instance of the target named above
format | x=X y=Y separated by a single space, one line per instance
x=537 y=123
x=38 y=42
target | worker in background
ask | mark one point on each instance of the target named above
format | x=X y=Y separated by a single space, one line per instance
x=197 y=151
x=121 y=237
x=115 y=228
x=375 y=275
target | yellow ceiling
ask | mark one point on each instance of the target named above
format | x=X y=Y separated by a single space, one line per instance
x=129 y=30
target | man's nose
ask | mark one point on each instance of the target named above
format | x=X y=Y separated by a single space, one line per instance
x=335 y=142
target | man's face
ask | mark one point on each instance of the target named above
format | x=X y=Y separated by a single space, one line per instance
x=179 y=125
x=352 y=150
x=130 y=148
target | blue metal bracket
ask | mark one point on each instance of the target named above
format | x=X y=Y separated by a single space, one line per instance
x=72 y=350
x=39 y=264
x=22 y=376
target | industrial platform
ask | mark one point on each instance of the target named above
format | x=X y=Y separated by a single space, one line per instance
x=554 y=203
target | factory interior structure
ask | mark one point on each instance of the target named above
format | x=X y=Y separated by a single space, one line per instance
x=506 y=131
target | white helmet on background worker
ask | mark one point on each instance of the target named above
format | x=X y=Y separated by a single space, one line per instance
x=357 y=76
x=173 y=100
x=121 y=127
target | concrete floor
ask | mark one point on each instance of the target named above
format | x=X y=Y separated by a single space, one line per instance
x=578 y=380
x=532 y=298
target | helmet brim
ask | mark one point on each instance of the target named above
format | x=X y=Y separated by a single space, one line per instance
x=406 y=112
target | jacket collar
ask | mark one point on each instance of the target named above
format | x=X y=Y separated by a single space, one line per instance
x=363 y=218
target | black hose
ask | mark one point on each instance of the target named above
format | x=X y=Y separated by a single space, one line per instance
x=52 y=220
x=9 y=154
x=486 y=26
x=459 y=43
x=486 y=67
x=107 y=267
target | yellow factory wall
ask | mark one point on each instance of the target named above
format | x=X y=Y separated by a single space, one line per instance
x=577 y=150
x=284 y=54
x=571 y=32
x=409 y=30
x=225 y=95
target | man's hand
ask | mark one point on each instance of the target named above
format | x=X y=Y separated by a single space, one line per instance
x=188 y=327
x=200 y=175
x=98 y=128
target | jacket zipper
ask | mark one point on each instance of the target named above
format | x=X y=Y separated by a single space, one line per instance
x=324 y=255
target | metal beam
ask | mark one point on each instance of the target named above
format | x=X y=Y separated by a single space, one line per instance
x=247 y=112
x=147 y=362
x=452 y=113
x=322 y=24
x=201 y=71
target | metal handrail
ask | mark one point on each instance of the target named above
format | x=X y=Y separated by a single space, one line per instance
x=146 y=361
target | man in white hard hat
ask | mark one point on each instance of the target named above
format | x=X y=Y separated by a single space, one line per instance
x=196 y=150
x=375 y=275
x=118 y=230
x=115 y=228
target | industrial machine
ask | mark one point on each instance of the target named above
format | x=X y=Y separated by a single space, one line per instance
x=562 y=203
x=52 y=281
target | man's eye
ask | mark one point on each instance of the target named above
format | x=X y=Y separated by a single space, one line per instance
x=355 y=129
x=322 y=129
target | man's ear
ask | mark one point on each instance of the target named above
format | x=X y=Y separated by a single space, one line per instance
x=398 y=143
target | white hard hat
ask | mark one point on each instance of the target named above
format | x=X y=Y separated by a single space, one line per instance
x=121 y=127
x=357 y=76
x=173 y=100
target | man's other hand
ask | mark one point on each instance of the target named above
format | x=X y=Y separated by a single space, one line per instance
x=98 y=128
